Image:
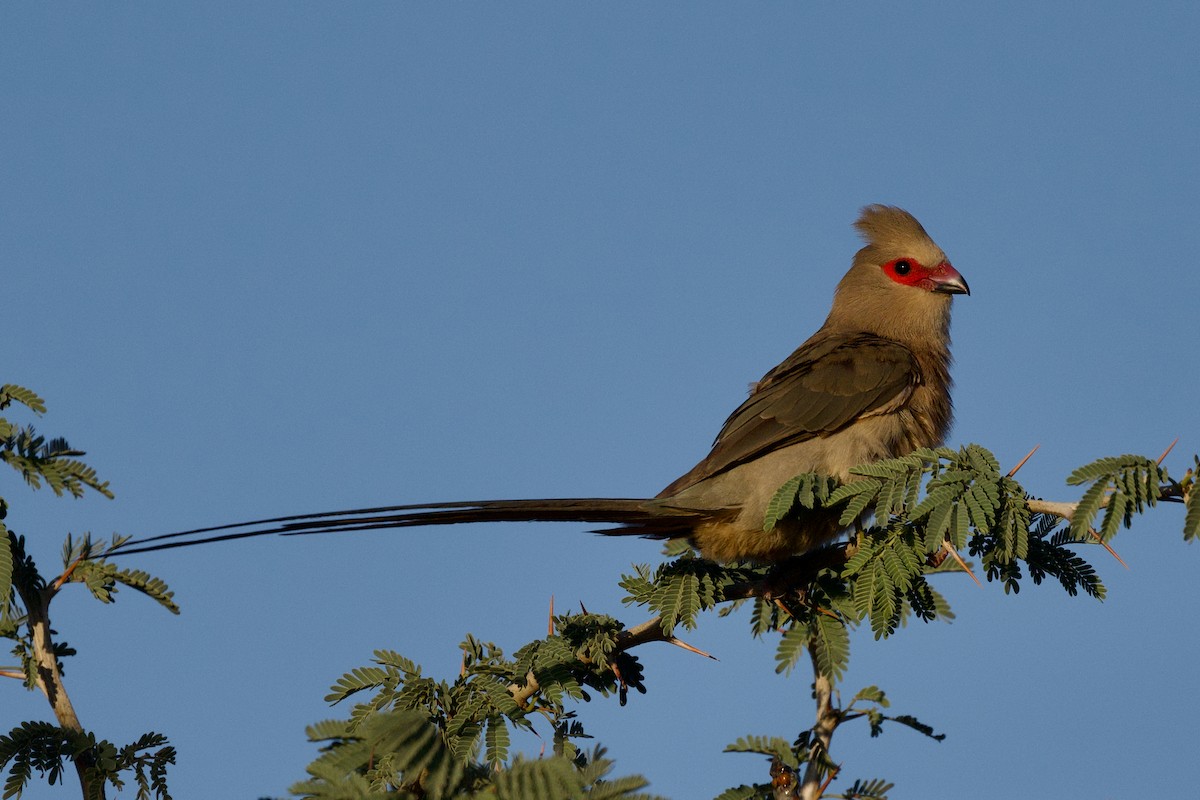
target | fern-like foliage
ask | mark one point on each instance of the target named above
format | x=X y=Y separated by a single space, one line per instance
x=679 y=590
x=53 y=461
x=744 y=792
x=84 y=562
x=924 y=508
x=913 y=518
x=7 y=565
x=25 y=597
x=934 y=501
x=808 y=490
x=772 y=746
x=10 y=393
x=46 y=749
x=1123 y=486
x=406 y=754
x=472 y=718
x=874 y=789
x=787 y=758
x=1191 y=523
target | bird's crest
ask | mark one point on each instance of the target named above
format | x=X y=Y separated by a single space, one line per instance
x=883 y=226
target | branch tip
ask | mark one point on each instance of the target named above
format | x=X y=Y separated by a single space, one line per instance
x=689 y=648
x=1107 y=546
x=787 y=612
x=963 y=564
x=1166 y=452
x=833 y=773
x=1021 y=463
x=58 y=583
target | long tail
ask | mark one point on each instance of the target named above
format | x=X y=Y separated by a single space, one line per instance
x=650 y=518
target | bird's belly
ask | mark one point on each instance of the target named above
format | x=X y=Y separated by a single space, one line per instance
x=749 y=488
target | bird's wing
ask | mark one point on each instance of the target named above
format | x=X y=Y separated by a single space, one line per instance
x=821 y=388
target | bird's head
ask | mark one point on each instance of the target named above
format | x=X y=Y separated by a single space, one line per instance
x=901 y=283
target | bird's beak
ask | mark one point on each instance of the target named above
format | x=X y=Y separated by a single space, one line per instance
x=947 y=280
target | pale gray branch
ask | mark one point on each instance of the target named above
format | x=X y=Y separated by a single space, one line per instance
x=828 y=718
x=1063 y=510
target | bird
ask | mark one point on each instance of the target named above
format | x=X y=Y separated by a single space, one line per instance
x=873 y=382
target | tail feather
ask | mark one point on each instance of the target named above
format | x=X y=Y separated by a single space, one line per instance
x=650 y=518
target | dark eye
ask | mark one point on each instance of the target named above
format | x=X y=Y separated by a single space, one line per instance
x=903 y=267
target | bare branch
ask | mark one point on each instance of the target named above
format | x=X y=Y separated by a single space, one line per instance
x=49 y=677
x=1063 y=510
x=828 y=719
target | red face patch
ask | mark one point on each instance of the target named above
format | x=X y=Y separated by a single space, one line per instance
x=910 y=272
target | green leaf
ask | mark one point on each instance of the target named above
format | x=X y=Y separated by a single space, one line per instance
x=1100 y=468
x=1191 y=522
x=860 y=494
x=496 y=741
x=937 y=526
x=874 y=789
x=983 y=460
x=152 y=587
x=871 y=694
x=781 y=503
x=767 y=746
x=920 y=727
x=742 y=792
x=830 y=642
x=10 y=392
x=415 y=749
x=357 y=680
x=545 y=779
x=640 y=586
x=791 y=647
x=959 y=528
x=937 y=500
x=6 y=566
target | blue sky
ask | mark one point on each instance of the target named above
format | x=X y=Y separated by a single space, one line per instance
x=275 y=258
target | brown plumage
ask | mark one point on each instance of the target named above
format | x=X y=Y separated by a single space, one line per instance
x=872 y=383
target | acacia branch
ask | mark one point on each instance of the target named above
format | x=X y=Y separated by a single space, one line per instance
x=784 y=579
x=648 y=631
x=1063 y=510
x=1170 y=493
x=49 y=679
x=828 y=718
x=789 y=578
